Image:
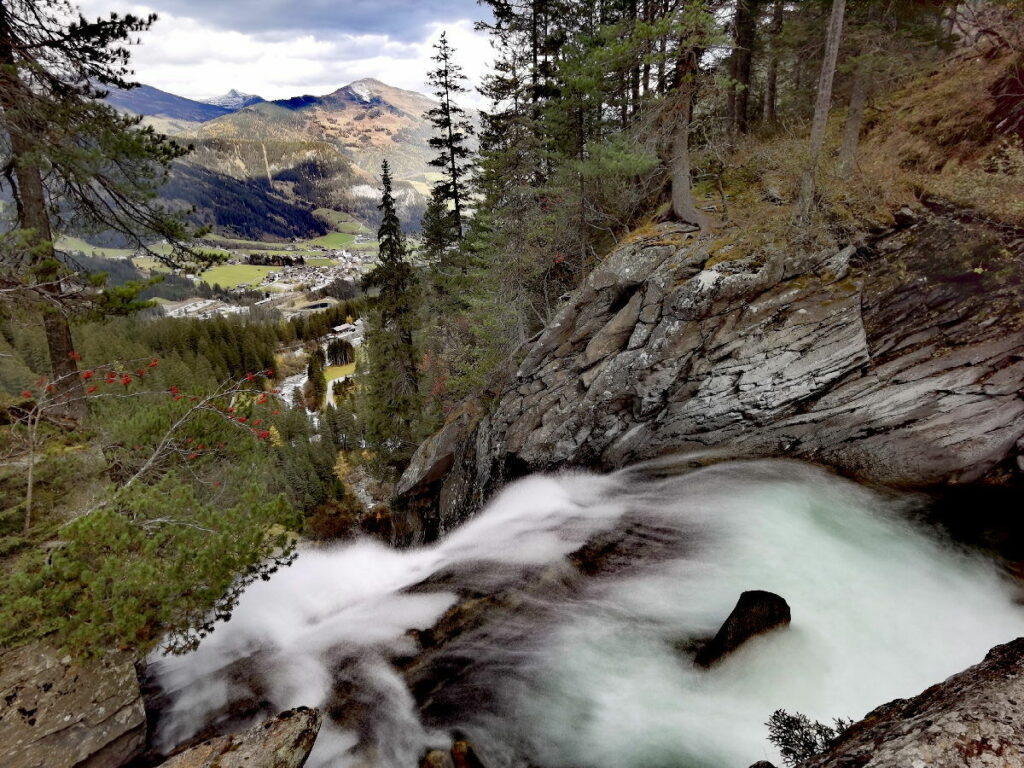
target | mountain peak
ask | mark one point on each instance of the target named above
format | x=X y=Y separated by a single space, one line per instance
x=366 y=89
x=234 y=99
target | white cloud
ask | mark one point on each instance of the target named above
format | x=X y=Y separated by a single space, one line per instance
x=190 y=58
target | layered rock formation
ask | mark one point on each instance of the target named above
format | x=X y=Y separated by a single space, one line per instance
x=973 y=719
x=57 y=714
x=284 y=741
x=900 y=362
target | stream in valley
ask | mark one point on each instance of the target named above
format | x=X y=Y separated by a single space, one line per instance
x=566 y=655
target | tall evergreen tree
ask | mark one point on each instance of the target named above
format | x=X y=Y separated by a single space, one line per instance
x=693 y=37
x=71 y=156
x=391 y=385
x=453 y=131
x=771 y=76
x=315 y=376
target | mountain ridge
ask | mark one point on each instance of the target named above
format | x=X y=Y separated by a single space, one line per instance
x=313 y=151
x=152 y=102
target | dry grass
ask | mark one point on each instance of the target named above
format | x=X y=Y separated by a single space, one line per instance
x=938 y=136
x=944 y=136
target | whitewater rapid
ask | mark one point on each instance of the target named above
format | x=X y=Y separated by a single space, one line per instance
x=595 y=672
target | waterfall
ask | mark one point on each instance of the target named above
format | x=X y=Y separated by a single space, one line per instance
x=578 y=600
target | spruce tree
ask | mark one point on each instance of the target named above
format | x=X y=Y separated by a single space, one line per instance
x=438 y=230
x=317 y=382
x=453 y=131
x=391 y=386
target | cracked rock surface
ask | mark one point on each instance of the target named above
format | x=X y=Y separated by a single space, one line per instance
x=284 y=741
x=971 y=720
x=57 y=714
x=901 y=362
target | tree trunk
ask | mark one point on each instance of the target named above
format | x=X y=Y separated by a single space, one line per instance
x=771 y=82
x=854 y=119
x=33 y=432
x=684 y=208
x=34 y=217
x=745 y=36
x=624 y=99
x=648 y=49
x=634 y=70
x=535 y=54
x=821 y=108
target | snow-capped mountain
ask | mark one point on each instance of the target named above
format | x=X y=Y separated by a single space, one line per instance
x=234 y=100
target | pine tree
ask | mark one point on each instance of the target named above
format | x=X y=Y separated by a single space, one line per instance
x=69 y=154
x=391 y=385
x=453 y=131
x=438 y=230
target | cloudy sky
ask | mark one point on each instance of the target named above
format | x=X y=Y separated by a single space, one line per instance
x=283 y=48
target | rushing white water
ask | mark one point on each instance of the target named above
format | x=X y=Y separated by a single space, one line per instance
x=589 y=672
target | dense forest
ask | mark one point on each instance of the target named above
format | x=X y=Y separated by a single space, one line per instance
x=743 y=119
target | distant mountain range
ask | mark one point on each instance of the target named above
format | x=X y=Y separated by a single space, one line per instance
x=146 y=100
x=308 y=151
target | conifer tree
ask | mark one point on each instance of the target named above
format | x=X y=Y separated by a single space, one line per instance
x=71 y=156
x=744 y=24
x=438 y=230
x=453 y=131
x=315 y=376
x=391 y=385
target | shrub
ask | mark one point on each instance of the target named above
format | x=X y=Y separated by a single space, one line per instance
x=335 y=519
x=798 y=738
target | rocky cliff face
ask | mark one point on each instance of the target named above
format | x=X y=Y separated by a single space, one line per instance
x=972 y=719
x=57 y=714
x=899 y=362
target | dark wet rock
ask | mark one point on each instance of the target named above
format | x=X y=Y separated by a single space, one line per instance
x=247 y=704
x=470 y=578
x=631 y=542
x=983 y=515
x=464 y=756
x=284 y=741
x=437 y=758
x=896 y=363
x=756 y=613
x=445 y=675
x=973 y=719
x=57 y=714
x=461 y=755
x=436 y=459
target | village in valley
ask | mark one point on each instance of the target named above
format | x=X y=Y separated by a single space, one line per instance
x=291 y=278
x=295 y=288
